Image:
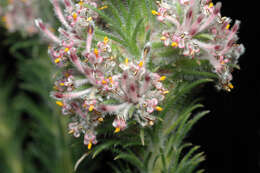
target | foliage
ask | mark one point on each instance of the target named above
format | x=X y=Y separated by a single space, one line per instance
x=33 y=134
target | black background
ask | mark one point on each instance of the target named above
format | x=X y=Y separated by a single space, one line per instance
x=229 y=134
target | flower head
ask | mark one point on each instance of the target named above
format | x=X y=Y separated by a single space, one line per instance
x=202 y=18
x=95 y=82
x=19 y=16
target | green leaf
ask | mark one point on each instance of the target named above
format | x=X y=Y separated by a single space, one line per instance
x=134 y=37
x=111 y=36
x=204 y=37
x=105 y=145
x=131 y=158
x=142 y=135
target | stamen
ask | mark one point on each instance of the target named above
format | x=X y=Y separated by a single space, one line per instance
x=174 y=44
x=74 y=15
x=110 y=79
x=104 y=82
x=126 y=61
x=89 y=19
x=96 y=51
x=89 y=145
x=117 y=130
x=230 y=85
x=155 y=12
x=228 y=26
x=100 y=119
x=91 y=107
x=158 y=108
x=71 y=131
x=151 y=123
x=81 y=3
x=163 y=38
x=66 y=49
x=103 y=7
x=211 y=5
x=165 y=92
x=106 y=40
x=59 y=103
x=57 y=60
x=141 y=64
x=162 y=78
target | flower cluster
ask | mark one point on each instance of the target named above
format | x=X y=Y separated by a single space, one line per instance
x=19 y=16
x=94 y=82
x=191 y=20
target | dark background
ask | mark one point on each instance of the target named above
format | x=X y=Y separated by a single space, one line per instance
x=229 y=134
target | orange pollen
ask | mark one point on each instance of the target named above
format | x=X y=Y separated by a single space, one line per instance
x=104 y=82
x=66 y=49
x=96 y=52
x=74 y=15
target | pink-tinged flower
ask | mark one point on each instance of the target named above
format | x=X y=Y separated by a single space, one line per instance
x=202 y=19
x=151 y=105
x=90 y=105
x=94 y=83
x=19 y=16
x=74 y=129
x=119 y=124
x=89 y=139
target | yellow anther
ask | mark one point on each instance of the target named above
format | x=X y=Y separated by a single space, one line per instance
x=104 y=82
x=126 y=61
x=174 y=44
x=166 y=92
x=66 y=49
x=106 y=40
x=55 y=87
x=103 y=7
x=59 y=103
x=89 y=145
x=162 y=78
x=90 y=29
x=141 y=64
x=151 y=123
x=230 y=85
x=155 y=12
x=163 y=38
x=158 y=108
x=100 y=119
x=71 y=131
x=96 y=51
x=74 y=15
x=117 y=130
x=110 y=79
x=4 y=19
x=228 y=26
x=91 y=107
x=57 y=60
x=81 y=3
x=211 y=5
x=89 y=19
x=62 y=84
